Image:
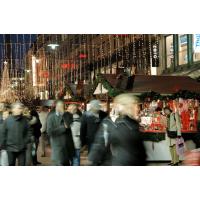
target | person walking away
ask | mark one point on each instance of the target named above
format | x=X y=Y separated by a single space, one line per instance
x=122 y=137
x=58 y=128
x=75 y=128
x=37 y=133
x=15 y=135
x=31 y=120
x=90 y=122
x=43 y=119
x=173 y=132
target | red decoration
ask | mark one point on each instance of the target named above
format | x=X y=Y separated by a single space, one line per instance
x=44 y=74
x=82 y=55
x=67 y=65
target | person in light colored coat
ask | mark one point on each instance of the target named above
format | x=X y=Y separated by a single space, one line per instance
x=173 y=127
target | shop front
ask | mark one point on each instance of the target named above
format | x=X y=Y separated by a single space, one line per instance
x=179 y=93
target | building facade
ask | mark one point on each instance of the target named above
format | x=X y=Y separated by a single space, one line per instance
x=55 y=60
x=180 y=55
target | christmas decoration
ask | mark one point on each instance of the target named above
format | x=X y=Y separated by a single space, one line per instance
x=112 y=92
x=7 y=95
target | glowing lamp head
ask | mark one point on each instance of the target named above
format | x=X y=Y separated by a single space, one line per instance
x=53 y=46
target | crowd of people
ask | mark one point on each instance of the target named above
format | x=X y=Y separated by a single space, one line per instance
x=109 y=139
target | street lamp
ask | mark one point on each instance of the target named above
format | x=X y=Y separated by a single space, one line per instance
x=53 y=46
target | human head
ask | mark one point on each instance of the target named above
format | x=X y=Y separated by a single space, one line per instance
x=127 y=104
x=43 y=109
x=60 y=106
x=17 y=108
x=26 y=111
x=2 y=107
x=34 y=113
x=95 y=106
x=6 y=114
x=72 y=108
x=167 y=110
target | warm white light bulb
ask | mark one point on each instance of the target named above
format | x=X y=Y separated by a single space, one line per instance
x=53 y=46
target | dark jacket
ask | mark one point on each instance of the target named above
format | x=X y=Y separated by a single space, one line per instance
x=15 y=133
x=125 y=143
x=37 y=125
x=61 y=138
x=89 y=127
x=100 y=153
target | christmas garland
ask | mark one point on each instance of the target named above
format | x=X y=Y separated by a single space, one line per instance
x=184 y=94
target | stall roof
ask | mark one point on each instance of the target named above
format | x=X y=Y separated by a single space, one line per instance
x=159 y=84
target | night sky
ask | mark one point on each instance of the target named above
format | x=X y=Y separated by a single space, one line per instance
x=19 y=45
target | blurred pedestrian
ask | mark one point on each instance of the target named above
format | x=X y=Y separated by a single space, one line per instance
x=31 y=120
x=43 y=119
x=15 y=135
x=90 y=122
x=2 y=109
x=58 y=128
x=4 y=114
x=121 y=137
x=173 y=132
x=36 y=126
x=75 y=128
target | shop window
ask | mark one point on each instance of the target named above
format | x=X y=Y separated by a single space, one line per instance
x=182 y=49
x=196 y=47
x=169 y=51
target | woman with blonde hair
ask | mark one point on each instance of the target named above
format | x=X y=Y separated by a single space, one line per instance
x=123 y=138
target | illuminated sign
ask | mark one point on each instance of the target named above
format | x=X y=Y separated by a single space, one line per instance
x=196 y=44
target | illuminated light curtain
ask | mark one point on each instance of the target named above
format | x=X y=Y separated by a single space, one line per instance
x=110 y=53
x=80 y=67
x=93 y=58
x=84 y=59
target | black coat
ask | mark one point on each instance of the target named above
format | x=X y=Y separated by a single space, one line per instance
x=100 y=153
x=125 y=143
x=37 y=125
x=89 y=127
x=15 y=133
x=61 y=138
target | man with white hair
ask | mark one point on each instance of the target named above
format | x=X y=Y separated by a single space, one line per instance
x=90 y=123
x=15 y=135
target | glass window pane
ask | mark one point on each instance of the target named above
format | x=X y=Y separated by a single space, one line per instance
x=169 y=50
x=196 y=47
x=183 y=59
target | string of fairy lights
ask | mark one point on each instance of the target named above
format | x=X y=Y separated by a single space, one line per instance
x=62 y=59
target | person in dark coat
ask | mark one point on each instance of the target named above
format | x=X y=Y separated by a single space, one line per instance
x=121 y=139
x=58 y=128
x=36 y=133
x=90 y=123
x=15 y=135
x=100 y=153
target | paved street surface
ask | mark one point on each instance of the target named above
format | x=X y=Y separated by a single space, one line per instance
x=46 y=161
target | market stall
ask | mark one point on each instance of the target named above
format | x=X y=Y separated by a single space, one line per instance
x=181 y=94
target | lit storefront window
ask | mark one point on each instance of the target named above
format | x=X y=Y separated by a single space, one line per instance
x=169 y=50
x=196 y=47
x=182 y=49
